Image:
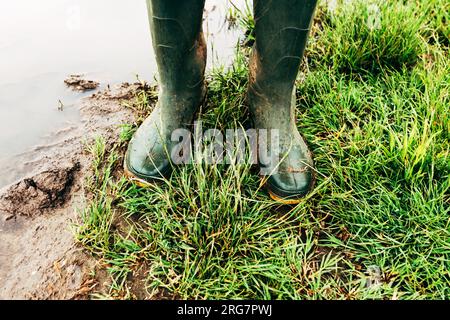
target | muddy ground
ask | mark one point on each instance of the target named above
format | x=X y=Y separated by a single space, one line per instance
x=39 y=257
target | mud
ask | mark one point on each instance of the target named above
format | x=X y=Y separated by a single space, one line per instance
x=39 y=256
x=77 y=83
x=32 y=196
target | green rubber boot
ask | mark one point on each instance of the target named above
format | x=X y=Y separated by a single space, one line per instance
x=282 y=29
x=180 y=50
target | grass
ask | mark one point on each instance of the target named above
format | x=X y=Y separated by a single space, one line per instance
x=373 y=104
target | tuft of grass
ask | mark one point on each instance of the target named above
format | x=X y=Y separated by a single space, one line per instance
x=377 y=224
x=243 y=18
x=126 y=132
x=438 y=13
x=368 y=37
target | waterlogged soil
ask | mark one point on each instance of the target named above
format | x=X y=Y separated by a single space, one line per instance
x=39 y=256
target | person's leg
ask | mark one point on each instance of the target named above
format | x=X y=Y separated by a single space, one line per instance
x=180 y=51
x=281 y=28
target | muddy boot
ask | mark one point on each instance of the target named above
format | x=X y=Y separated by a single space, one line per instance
x=282 y=29
x=180 y=50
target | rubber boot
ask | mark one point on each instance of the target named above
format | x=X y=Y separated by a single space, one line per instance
x=281 y=28
x=180 y=50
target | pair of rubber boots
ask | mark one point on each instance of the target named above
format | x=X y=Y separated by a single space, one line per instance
x=281 y=29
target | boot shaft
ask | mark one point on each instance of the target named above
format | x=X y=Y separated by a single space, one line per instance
x=179 y=44
x=281 y=29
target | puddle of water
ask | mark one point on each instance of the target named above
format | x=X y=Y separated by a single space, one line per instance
x=42 y=42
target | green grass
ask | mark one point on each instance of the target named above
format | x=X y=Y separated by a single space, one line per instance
x=373 y=104
x=364 y=38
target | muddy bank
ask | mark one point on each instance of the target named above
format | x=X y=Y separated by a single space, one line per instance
x=39 y=257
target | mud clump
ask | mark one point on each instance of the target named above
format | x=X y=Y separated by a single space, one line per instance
x=77 y=83
x=125 y=91
x=44 y=191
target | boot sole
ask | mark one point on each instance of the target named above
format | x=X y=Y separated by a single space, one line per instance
x=289 y=200
x=284 y=201
x=135 y=179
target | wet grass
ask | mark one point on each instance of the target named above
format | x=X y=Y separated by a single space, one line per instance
x=373 y=102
